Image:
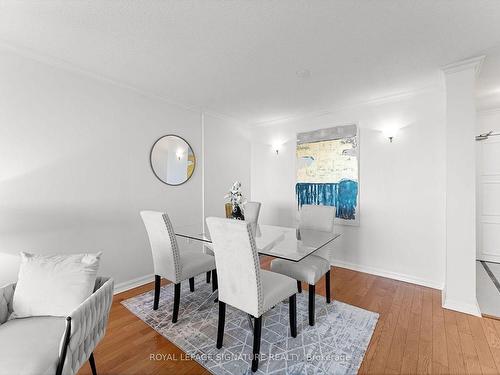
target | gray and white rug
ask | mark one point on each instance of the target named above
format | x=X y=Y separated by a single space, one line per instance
x=335 y=345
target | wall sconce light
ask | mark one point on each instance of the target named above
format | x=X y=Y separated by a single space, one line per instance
x=276 y=148
x=390 y=133
x=179 y=154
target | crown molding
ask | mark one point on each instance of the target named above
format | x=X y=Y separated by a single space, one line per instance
x=473 y=63
x=374 y=101
x=73 y=68
x=222 y=116
x=68 y=66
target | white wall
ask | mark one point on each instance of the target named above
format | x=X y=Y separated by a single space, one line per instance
x=74 y=167
x=402 y=185
x=227 y=159
x=460 y=277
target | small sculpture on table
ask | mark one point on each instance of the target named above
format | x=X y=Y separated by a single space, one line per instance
x=236 y=200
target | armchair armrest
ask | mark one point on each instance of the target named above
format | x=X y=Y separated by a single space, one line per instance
x=85 y=327
x=6 y=296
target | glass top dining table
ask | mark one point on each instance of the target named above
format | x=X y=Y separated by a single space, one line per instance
x=279 y=242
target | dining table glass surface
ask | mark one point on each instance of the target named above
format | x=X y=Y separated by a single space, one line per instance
x=280 y=242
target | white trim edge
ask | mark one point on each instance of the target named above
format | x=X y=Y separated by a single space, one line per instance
x=488 y=257
x=389 y=274
x=134 y=283
x=467 y=308
x=474 y=63
x=391 y=98
x=76 y=69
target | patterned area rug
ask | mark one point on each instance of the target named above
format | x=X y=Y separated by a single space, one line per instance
x=335 y=345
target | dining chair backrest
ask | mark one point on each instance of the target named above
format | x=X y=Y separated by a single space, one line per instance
x=251 y=211
x=166 y=257
x=319 y=218
x=237 y=263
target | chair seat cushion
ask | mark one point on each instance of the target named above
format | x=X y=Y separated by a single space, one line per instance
x=30 y=346
x=194 y=263
x=275 y=288
x=310 y=269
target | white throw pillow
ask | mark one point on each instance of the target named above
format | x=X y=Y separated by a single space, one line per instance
x=53 y=285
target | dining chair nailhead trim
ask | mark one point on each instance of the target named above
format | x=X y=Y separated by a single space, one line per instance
x=175 y=247
x=256 y=261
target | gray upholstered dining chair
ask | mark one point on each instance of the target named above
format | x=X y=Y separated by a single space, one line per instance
x=170 y=261
x=52 y=344
x=313 y=267
x=242 y=284
x=251 y=212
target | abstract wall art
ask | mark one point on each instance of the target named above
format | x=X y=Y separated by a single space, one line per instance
x=328 y=170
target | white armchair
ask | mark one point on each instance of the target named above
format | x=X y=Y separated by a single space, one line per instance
x=6 y=297
x=53 y=345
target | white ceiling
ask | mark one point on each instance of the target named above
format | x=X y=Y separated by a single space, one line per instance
x=251 y=59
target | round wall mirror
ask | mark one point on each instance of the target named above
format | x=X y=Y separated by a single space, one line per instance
x=172 y=160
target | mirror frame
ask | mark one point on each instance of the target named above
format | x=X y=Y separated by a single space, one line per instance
x=151 y=161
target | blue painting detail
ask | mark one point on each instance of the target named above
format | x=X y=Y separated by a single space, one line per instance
x=343 y=195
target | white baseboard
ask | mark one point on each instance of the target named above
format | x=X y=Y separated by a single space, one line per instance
x=467 y=308
x=388 y=274
x=130 y=284
x=134 y=283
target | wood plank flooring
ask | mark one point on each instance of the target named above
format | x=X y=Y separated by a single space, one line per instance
x=414 y=335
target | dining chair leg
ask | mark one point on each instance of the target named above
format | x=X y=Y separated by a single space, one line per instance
x=222 y=321
x=157 y=292
x=299 y=286
x=214 y=281
x=327 y=282
x=208 y=276
x=92 y=364
x=177 y=301
x=292 y=306
x=257 y=329
x=312 y=296
x=191 y=284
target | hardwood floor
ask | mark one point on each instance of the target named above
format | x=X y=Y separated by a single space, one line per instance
x=414 y=335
